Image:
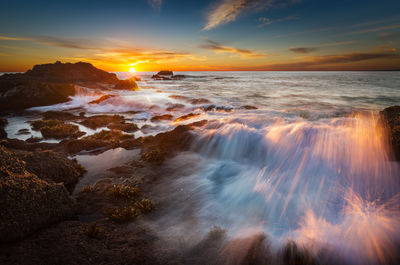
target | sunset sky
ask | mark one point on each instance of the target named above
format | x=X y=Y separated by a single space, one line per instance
x=150 y=35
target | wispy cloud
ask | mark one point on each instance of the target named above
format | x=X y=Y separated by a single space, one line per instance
x=374 y=29
x=264 y=21
x=305 y=50
x=156 y=4
x=106 y=51
x=300 y=50
x=318 y=62
x=226 y=11
x=220 y=48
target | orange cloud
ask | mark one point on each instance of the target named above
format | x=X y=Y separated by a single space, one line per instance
x=219 y=48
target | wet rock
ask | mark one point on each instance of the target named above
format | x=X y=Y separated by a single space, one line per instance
x=167 y=75
x=217 y=108
x=390 y=118
x=56 y=129
x=187 y=117
x=99 y=121
x=59 y=115
x=125 y=127
x=3 y=123
x=248 y=107
x=28 y=202
x=52 y=167
x=165 y=72
x=173 y=107
x=197 y=101
x=101 y=99
x=23 y=131
x=166 y=117
x=178 y=97
x=14 y=93
x=34 y=139
x=128 y=84
x=164 y=145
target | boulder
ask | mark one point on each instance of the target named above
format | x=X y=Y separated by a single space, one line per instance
x=127 y=84
x=28 y=203
x=167 y=75
x=390 y=119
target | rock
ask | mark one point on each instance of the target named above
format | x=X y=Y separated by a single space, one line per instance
x=197 y=101
x=165 y=117
x=128 y=84
x=99 y=121
x=173 y=107
x=217 y=108
x=3 y=123
x=79 y=72
x=125 y=127
x=179 y=97
x=23 y=131
x=28 y=203
x=14 y=93
x=59 y=115
x=49 y=84
x=167 y=75
x=187 y=117
x=390 y=118
x=101 y=99
x=52 y=167
x=248 y=107
x=164 y=145
x=56 y=129
x=34 y=139
x=165 y=72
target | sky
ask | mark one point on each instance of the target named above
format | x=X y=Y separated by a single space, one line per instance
x=209 y=35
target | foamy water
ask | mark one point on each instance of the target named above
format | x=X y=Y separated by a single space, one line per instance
x=309 y=164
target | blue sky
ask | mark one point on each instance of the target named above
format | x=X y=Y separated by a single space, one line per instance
x=202 y=35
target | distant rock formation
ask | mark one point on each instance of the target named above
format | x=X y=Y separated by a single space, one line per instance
x=390 y=117
x=49 y=84
x=167 y=75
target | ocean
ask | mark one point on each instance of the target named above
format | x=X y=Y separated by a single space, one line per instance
x=293 y=155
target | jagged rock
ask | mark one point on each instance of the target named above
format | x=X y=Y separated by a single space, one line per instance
x=128 y=84
x=101 y=99
x=28 y=203
x=390 y=118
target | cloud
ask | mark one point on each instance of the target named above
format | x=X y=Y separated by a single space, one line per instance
x=303 y=50
x=106 y=51
x=156 y=4
x=316 y=62
x=226 y=11
x=374 y=29
x=264 y=21
x=220 y=48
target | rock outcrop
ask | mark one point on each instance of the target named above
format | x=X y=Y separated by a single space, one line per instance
x=167 y=75
x=49 y=84
x=28 y=203
x=3 y=123
x=390 y=117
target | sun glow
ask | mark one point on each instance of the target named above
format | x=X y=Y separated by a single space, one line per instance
x=132 y=70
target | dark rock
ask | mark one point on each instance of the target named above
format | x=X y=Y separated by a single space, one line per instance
x=28 y=202
x=23 y=131
x=99 y=121
x=14 y=93
x=59 y=115
x=126 y=127
x=173 y=107
x=52 y=167
x=128 y=84
x=197 y=101
x=79 y=72
x=165 y=72
x=218 y=108
x=390 y=119
x=187 y=117
x=3 y=123
x=56 y=129
x=166 y=117
x=248 y=107
x=101 y=99
x=34 y=139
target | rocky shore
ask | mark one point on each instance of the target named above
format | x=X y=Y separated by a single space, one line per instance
x=41 y=222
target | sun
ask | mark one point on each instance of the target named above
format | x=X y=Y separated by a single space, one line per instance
x=132 y=70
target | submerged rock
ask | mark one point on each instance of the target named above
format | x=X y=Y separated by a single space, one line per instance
x=28 y=202
x=390 y=118
x=3 y=123
x=56 y=129
x=187 y=117
x=101 y=99
x=166 y=117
